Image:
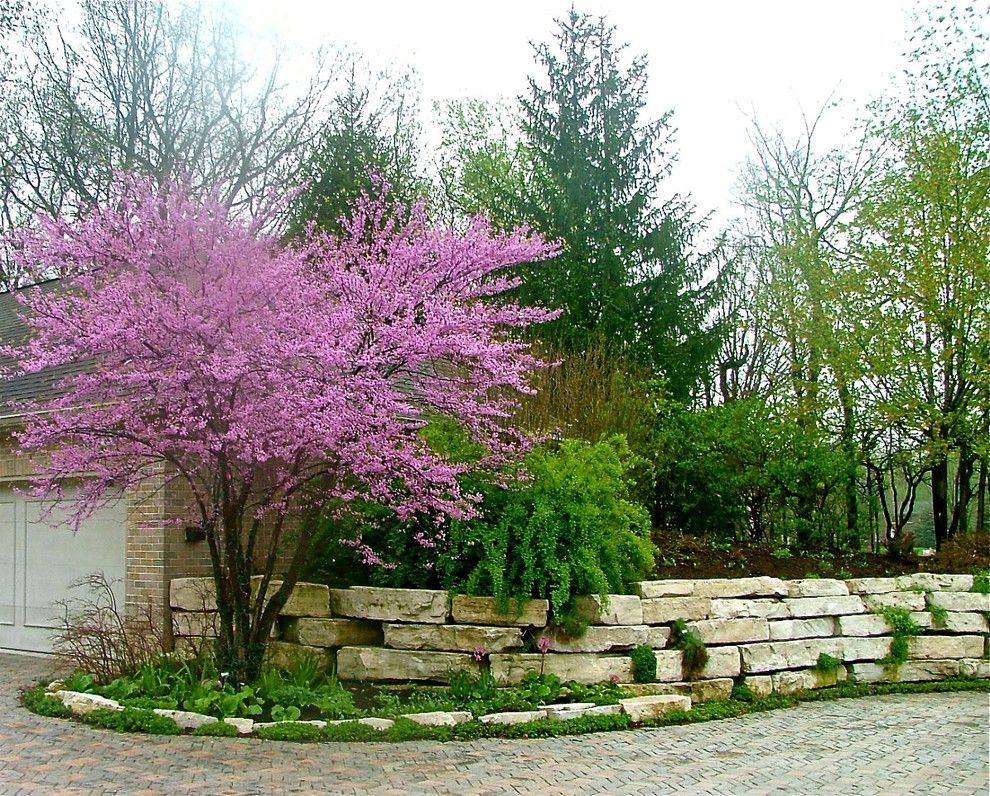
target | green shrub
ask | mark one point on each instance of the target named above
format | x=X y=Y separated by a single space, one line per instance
x=132 y=720
x=644 y=664
x=569 y=529
x=981 y=582
x=216 y=729
x=742 y=692
x=300 y=733
x=902 y=627
x=695 y=652
x=826 y=664
x=940 y=616
x=598 y=693
x=39 y=701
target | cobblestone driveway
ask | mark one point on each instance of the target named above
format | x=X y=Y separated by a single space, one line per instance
x=886 y=745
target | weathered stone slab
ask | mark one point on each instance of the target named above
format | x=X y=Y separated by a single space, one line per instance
x=81 y=703
x=439 y=718
x=305 y=599
x=802 y=607
x=243 y=726
x=484 y=611
x=806 y=680
x=185 y=719
x=935 y=581
x=664 y=610
x=779 y=655
x=760 y=684
x=790 y=629
x=740 y=587
x=701 y=690
x=571 y=710
x=956 y=622
x=649 y=589
x=871 y=585
x=670 y=666
x=313 y=632
x=603 y=710
x=907 y=672
x=758 y=609
x=653 y=707
x=192 y=594
x=865 y=648
x=622 y=609
x=599 y=639
x=454 y=638
x=369 y=721
x=965 y=602
x=511 y=668
x=391 y=605
x=375 y=663
x=875 y=624
x=514 y=717
x=196 y=623
x=318 y=723
x=284 y=655
x=722 y=662
x=732 y=631
x=942 y=647
x=657 y=637
x=908 y=600
x=816 y=587
x=975 y=667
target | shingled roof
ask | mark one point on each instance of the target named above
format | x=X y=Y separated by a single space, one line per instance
x=13 y=332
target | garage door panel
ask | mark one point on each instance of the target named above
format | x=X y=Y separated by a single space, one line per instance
x=8 y=555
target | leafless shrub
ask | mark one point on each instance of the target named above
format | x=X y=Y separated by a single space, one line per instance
x=99 y=637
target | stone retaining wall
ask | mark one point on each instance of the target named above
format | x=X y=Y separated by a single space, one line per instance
x=771 y=631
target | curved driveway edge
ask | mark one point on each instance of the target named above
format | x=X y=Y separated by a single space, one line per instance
x=899 y=744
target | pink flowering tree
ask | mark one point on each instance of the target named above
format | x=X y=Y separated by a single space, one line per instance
x=274 y=383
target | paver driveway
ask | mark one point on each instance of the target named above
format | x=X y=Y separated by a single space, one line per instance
x=886 y=745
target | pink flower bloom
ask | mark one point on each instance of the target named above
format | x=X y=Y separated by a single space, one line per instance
x=543 y=645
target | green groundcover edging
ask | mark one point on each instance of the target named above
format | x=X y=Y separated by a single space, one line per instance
x=137 y=720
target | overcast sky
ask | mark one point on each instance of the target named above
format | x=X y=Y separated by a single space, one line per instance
x=713 y=63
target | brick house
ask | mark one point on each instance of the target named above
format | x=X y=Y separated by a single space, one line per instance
x=130 y=540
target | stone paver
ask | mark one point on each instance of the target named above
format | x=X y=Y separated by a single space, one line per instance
x=921 y=744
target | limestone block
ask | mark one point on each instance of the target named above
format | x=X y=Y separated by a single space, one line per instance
x=510 y=668
x=816 y=587
x=664 y=610
x=370 y=721
x=285 y=655
x=740 y=587
x=375 y=663
x=657 y=637
x=865 y=648
x=439 y=718
x=871 y=585
x=722 y=662
x=186 y=719
x=599 y=639
x=701 y=690
x=933 y=581
x=908 y=600
x=875 y=624
x=664 y=588
x=603 y=710
x=192 y=594
x=391 y=605
x=670 y=665
x=243 y=726
x=975 y=667
x=760 y=684
x=314 y=632
x=790 y=629
x=484 y=611
x=80 y=703
x=907 y=672
x=571 y=710
x=305 y=599
x=964 y=602
x=732 y=631
x=941 y=647
x=759 y=609
x=318 y=723
x=956 y=622
x=778 y=655
x=514 y=717
x=806 y=680
x=196 y=623
x=622 y=609
x=803 y=607
x=455 y=638
x=653 y=707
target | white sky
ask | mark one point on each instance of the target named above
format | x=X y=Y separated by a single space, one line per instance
x=711 y=61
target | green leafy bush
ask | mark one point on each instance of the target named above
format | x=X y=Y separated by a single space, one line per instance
x=132 y=720
x=39 y=701
x=981 y=582
x=902 y=627
x=827 y=664
x=217 y=729
x=570 y=529
x=695 y=652
x=644 y=664
x=598 y=693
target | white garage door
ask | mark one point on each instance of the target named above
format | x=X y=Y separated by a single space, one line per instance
x=40 y=560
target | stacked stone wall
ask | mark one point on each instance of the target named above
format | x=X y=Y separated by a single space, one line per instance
x=770 y=631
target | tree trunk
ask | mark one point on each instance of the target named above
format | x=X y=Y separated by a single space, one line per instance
x=940 y=500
